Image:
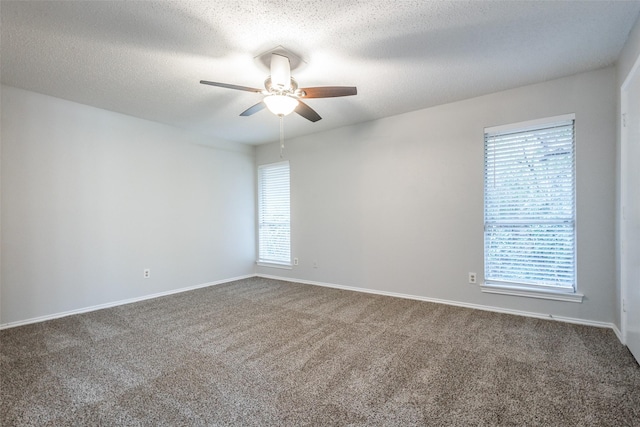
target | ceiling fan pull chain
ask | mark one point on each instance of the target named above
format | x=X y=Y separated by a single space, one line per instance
x=281 y=134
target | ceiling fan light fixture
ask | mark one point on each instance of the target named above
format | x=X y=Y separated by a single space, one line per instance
x=281 y=105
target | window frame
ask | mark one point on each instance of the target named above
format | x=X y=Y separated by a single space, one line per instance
x=528 y=289
x=273 y=261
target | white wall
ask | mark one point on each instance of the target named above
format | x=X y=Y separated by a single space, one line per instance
x=626 y=60
x=90 y=198
x=396 y=204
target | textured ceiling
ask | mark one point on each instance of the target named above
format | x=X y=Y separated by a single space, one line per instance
x=146 y=59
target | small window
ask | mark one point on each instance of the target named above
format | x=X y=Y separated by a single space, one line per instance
x=274 y=228
x=529 y=205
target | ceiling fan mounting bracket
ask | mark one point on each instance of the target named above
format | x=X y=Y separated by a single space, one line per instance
x=264 y=58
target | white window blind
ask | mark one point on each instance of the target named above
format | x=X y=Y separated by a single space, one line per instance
x=529 y=206
x=274 y=231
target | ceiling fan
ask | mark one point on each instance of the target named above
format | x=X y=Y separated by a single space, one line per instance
x=282 y=94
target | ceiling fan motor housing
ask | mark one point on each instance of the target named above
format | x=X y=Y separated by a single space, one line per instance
x=291 y=91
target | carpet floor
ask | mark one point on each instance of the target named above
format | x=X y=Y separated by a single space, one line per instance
x=273 y=353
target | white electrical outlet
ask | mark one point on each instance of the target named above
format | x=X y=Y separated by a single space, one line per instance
x=315 y=264
x=147 y=273
x=472 y=277
x=295 y=261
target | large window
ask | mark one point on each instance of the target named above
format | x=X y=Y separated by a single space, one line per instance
x=529 y=206
x=274 y=230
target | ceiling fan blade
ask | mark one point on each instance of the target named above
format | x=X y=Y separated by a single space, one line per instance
x=307 y=112
x=328 y=91
x=253 y=109
x=280 y=71
x=229 y=86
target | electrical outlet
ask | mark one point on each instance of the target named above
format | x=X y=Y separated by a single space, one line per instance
x=315 y=264
x=295 y=261
x=147 y=273
x=472 y=277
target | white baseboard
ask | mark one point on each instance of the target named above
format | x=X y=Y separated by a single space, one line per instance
x=116 y=303
x=456 y=303
x=618 y=333
x=326 y=285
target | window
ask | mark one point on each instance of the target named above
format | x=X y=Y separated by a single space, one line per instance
x=274 y=230
x=529 y=206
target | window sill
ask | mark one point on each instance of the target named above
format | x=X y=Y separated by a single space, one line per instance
x=274 y=265
x=492 y=288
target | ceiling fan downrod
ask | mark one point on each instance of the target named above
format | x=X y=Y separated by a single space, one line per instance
x=281 y=134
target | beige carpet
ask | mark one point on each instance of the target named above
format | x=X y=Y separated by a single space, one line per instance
x=265 y=352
